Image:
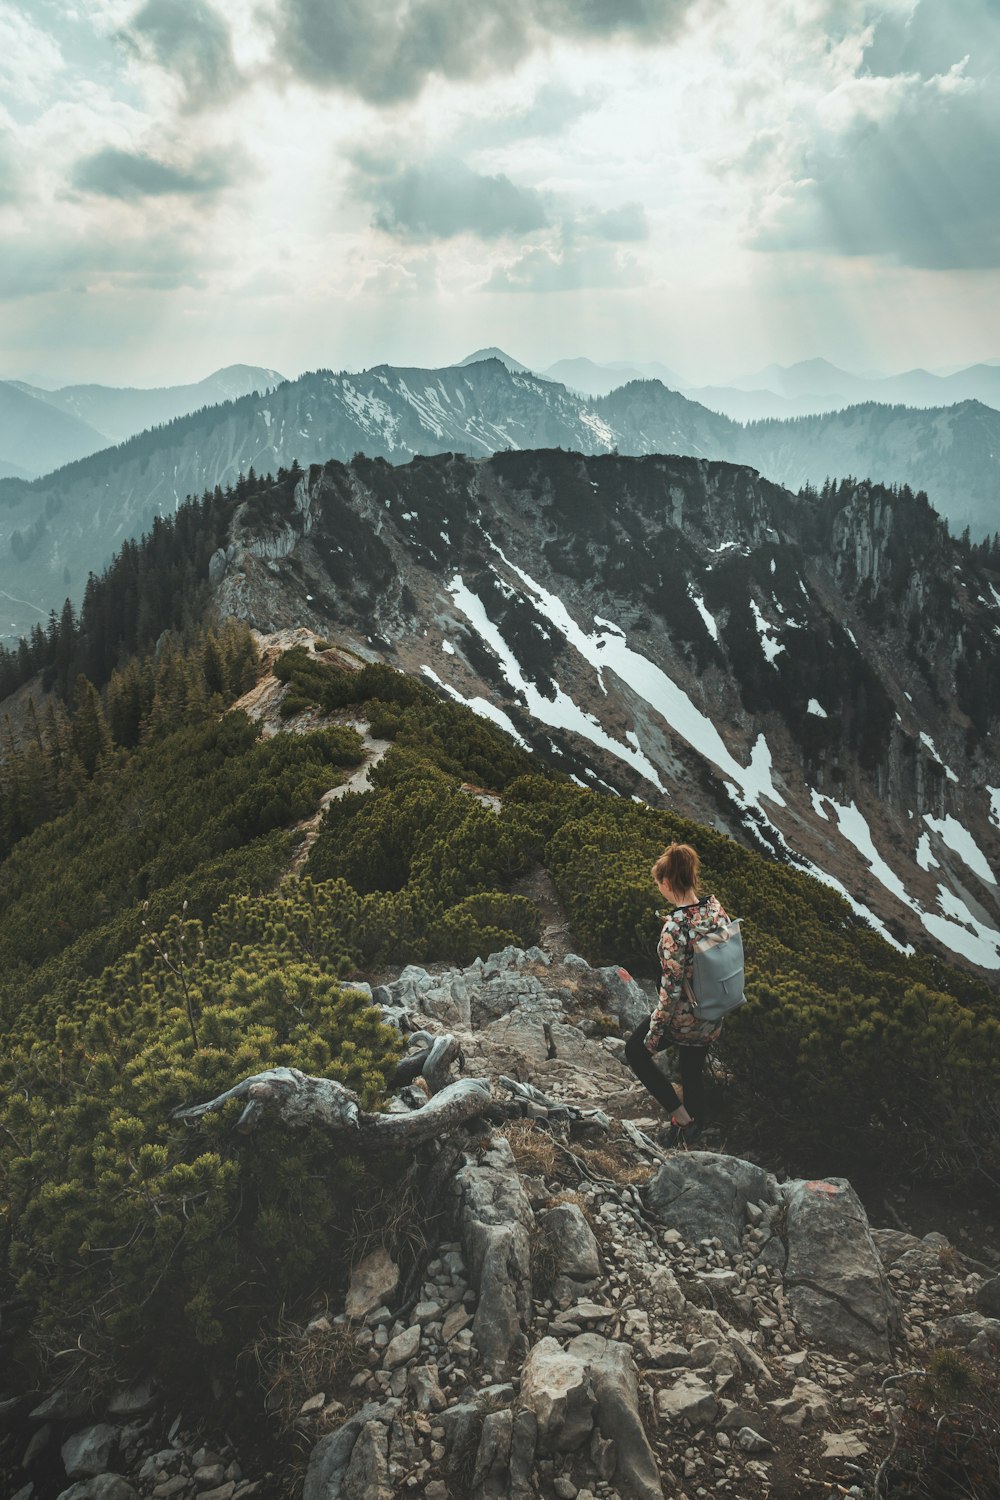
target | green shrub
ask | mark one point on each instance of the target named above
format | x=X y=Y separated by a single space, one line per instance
x=131 y=1235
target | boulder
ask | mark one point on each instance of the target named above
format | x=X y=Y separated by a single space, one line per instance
x=834 y=1278
x=557 y=1388
x=705 y=1195
x=616 y=1386
x=624 y=997
x=373 y=1281
x=577 y=1251
x=88 y=1453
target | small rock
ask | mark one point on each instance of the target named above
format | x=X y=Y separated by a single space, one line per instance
x=209 y=1476
x=689 y=1397
x=313 y=1404
x=752 y=1442
x=403 y=1347
x=458 y=1318
x=843 y=1445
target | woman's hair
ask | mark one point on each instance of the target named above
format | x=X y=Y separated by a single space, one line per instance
x=680 y=867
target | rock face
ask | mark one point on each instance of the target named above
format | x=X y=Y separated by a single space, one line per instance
x=833 y=1275
x=496 y=1219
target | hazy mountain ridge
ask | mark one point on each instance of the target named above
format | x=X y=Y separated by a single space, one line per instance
x=92 y=417
x=815 y=676
x=55 y=530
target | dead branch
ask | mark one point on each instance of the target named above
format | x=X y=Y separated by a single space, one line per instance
x=299 y=1100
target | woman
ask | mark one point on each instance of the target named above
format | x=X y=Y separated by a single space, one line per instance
x=674 y=1021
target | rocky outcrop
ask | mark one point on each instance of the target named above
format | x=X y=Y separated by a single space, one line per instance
x=590 y=1317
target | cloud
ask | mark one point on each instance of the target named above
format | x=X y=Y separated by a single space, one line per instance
x=10 y=172
x=569 y=269
x=901 y=161
x=386 y=50
x=132 y=175
x=919 y=186
x=442 y=198
x=627 y=223
x=414 y=277
x=189 y=39
x=66 y=262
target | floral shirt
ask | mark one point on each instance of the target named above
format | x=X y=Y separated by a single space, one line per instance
x=673 y=1020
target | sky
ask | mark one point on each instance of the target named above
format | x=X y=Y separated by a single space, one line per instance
x=714 y=184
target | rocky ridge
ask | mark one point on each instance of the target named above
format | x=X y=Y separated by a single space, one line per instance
x=590 y=1315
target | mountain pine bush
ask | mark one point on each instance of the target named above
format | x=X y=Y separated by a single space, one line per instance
x=126 y=1232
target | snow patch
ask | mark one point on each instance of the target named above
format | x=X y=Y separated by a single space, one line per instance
x=559 y=712
x=817 y=709
x=447 y=648
x=960 y=841
x=924 y=858
x=994 y=794
x=957 y=928
x=702 y=609
x=769 y=645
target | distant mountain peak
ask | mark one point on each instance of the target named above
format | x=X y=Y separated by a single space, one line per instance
x=493 y=352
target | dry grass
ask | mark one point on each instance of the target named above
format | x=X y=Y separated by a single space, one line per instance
x=532 y=1148
x=393 y=1219
x=615 y=1163
x=544 y=1259
x=295 y=1363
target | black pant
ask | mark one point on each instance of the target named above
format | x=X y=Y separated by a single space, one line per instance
x=692 y=1061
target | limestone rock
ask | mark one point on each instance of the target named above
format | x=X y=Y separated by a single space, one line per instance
x=491 y=1474
x=495 y=1218
x=704 y=1195
x=329 y=1459
x=367 y=1476
x=577 y=1251
x=557 y=1387
x=616 y=1386
x=404 y=1347
x=834 y=1277
x=373 y=1281
x=88 y=1453
x=624 y=997
x=689 y=1397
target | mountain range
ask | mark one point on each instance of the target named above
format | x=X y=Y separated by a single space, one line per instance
x=815 y=676
x=55 y=530
x=41 y=430
x=809 y=387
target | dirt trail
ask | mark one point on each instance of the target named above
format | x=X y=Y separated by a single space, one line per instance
x=358 y=781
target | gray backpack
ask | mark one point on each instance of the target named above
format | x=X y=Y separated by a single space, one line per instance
x=716 y=985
